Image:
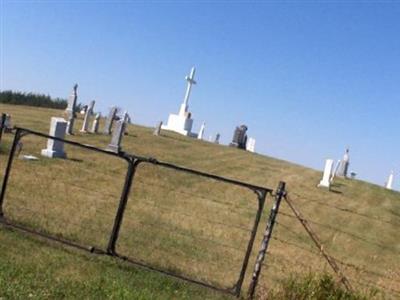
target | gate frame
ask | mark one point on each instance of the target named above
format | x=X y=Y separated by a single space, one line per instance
x=260 y=192
x=133 y=162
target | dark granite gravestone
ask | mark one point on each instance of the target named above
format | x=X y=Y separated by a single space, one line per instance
x=239 y=137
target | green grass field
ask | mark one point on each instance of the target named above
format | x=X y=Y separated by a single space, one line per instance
x=191 y=226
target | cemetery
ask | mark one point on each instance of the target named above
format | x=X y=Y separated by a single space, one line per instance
x=73 y=193
x=199 y=150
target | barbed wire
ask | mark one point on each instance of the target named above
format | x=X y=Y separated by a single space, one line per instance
x=357 y=269
x=309 y=199
x=335 y=229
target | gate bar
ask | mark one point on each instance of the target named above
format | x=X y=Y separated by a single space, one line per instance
x=8 y=169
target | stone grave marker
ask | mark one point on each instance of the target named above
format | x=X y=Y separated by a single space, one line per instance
x=118 y=132
x=201 y=131
x=71 y=110
x=95 y=124
x=110 y=120
x=56 y=148
x=217 y=137
x=326 y=178
x=389 y=183
x=182 y=122
x=7 y=124
x=251 y=144
x=88 y=114
x=344 y=165
x=239 y=139
x=157 y=130
x=336 y=170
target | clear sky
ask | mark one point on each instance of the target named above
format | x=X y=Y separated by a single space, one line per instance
x=307 y=78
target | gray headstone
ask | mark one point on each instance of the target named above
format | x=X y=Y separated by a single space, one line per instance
x=95 y=124
x=116 y=138
x=72 y=101
x=71 y=110
x=2 y=123
x=344 y=164
x=216 y=141
x=126 y=118
x=91 y=106
x=239 y=139
x=56 y=148
x=7 y=123
x=110 y=120
x=157 y=130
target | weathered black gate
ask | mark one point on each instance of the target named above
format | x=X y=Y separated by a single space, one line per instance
x=127 y=220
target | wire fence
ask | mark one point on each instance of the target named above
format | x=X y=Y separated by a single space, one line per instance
x=189 y=224
x=293 y=251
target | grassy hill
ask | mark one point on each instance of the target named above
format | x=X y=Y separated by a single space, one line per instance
x=178 y=222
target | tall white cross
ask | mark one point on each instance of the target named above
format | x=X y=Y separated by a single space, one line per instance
x=191 y=81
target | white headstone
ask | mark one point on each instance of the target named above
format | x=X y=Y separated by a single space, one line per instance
x=182 y=123
x=389 y=184
x=251 y=144
x=56 y=148
x=201 y=131
x=95 y=124
x=326 y=182
x=88 y=113
x=336 y=170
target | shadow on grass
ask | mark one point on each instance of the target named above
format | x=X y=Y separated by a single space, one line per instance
x=75 y=159
x=336 y=191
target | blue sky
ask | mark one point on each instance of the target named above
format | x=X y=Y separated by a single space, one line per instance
x=308 y=78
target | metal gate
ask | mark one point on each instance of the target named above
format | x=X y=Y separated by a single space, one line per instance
x=185 y=223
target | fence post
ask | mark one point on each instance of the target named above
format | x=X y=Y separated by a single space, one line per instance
x=280 y=192
x=133 y=163
x=8 y=169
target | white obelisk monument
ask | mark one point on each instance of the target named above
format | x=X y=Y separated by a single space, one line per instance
x=201 y=131
x=389 y=184
x=326 y=182
x=182 y=123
